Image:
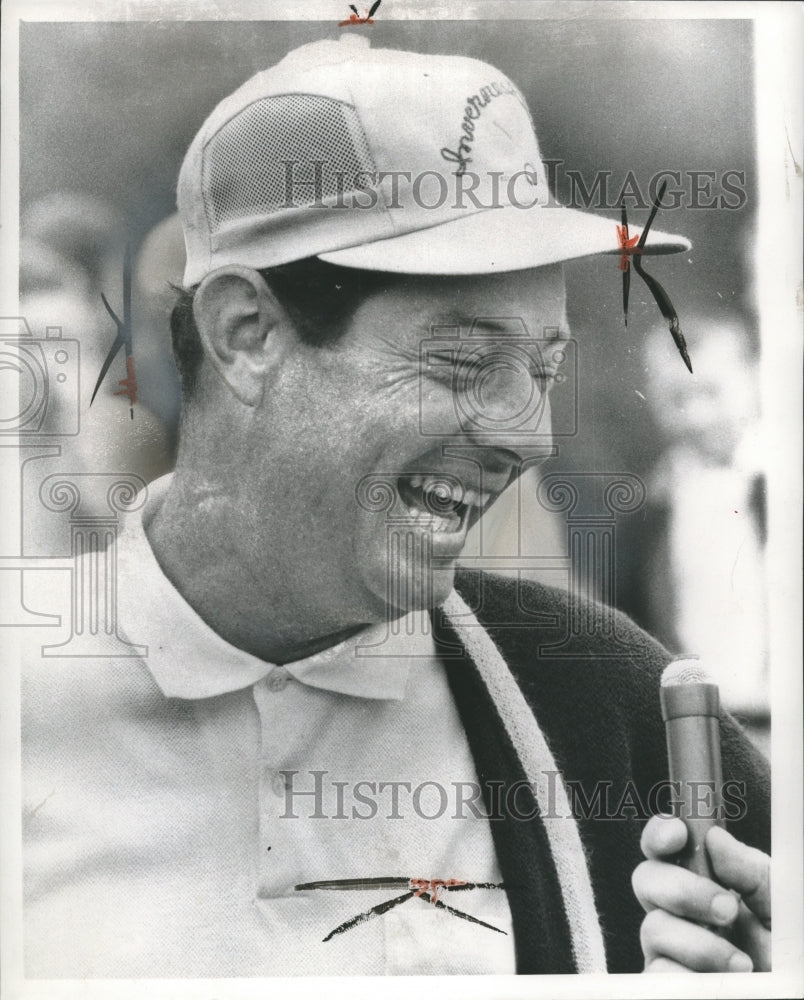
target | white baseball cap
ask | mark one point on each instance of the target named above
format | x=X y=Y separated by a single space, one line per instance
x=382 y=160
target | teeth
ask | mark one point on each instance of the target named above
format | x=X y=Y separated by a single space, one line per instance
x=447 y=523
x=441 y=487
x=445 y=490
x=443 y=494
x=475 y=498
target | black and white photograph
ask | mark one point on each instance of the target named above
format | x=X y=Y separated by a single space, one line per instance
x=402 y=458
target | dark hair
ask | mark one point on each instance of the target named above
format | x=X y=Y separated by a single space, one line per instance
x=320 y=299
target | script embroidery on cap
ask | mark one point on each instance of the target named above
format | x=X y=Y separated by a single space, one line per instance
x=474 y=105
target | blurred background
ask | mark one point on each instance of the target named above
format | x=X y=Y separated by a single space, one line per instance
x=109 y=109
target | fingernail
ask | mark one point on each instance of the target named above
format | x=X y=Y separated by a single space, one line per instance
x=740 y=962
x=723 y=908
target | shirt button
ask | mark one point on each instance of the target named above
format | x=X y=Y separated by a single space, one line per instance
x=278 y=679
x=274 y=780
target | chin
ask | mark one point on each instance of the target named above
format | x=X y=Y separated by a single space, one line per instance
x=412 y=589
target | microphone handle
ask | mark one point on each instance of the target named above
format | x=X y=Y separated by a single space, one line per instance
x=693 y=749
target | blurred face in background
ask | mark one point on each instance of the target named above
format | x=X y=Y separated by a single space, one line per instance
x=709 y=411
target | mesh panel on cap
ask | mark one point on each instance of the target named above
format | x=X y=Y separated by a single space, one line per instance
x=243 y=170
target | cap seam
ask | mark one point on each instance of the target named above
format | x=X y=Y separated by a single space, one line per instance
x=385 y=213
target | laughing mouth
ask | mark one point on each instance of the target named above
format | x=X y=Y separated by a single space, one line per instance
x=440 y=502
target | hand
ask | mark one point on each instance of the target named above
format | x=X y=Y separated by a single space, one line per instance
x=681 y=907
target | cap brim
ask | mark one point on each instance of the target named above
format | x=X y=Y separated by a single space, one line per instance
x=501 y=239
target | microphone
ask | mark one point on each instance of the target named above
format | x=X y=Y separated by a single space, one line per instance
x=691 y=712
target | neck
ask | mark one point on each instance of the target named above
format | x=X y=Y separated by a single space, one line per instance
x=199 y=536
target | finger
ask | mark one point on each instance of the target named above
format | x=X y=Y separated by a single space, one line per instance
x=753 y=937
x=662 y=836
x=667 y=936
x=742 y=868
x=663 y=964
x=658 y=885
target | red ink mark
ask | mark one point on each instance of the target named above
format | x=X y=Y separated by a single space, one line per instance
x=628 y=246
x=129 y=383
x=417 y=888
x=432 y=885
x=355 y=18
x=660 y=296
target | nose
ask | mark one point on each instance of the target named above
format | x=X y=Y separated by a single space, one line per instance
x=505 y=425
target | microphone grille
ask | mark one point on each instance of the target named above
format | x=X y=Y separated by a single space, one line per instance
x=685 y=670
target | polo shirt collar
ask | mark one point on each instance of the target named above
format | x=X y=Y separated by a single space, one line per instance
x=190 y=660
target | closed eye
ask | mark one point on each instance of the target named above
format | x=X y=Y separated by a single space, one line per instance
x=544 y=376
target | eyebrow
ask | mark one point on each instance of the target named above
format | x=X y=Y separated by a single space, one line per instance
x=552 y=334
x=498 y=324
x=492 y=324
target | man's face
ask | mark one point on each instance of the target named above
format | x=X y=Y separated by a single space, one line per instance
x=707 y=413
x=372 y=459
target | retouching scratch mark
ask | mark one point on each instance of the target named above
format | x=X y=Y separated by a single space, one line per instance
x=796 y=164
x=737 y=554
x=36 y=809
x=507 y=135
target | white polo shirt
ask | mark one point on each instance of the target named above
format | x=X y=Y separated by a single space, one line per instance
x=174 y=802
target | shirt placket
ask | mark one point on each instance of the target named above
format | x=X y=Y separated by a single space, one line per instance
x=277 y=862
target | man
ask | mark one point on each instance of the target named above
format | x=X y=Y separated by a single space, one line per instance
x=341 y=755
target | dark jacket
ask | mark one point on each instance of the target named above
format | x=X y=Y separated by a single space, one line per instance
x=591 y=677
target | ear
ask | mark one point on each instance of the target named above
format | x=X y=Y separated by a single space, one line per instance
x=237 y=317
